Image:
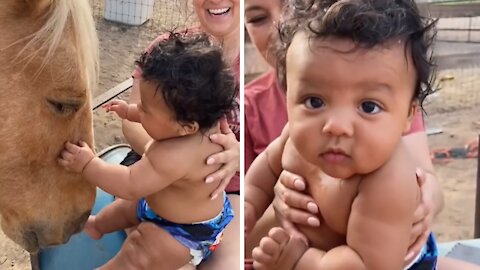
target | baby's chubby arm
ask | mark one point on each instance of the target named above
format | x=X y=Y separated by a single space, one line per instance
x=123 y=110
x=151 y=174
x=160 y=166
x=260 y=180
x=382 y=213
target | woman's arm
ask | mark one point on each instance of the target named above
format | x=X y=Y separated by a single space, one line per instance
x=431 y=192
x=417 y=144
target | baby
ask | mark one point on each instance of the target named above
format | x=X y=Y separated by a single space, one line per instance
x=355 y=72
x=185 y=90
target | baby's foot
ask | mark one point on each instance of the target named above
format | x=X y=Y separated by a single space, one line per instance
x=91 y=230
x=278 y=251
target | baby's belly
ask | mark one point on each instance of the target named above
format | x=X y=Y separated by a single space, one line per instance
x=323 y=237
x=334 y=199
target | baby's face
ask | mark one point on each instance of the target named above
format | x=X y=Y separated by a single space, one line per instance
x=347 y=109
x=156 y=117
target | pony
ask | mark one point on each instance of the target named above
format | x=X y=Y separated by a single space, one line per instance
x=49 y=67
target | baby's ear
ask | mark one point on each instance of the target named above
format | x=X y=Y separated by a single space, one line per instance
x=189 y=128
x=412 y=111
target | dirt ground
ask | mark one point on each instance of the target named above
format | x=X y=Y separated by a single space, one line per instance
x=454 y=110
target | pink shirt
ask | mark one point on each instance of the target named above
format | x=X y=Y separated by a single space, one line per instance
x=266 y=115
x=233 y=117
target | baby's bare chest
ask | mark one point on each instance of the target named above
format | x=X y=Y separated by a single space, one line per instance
x=333 y=196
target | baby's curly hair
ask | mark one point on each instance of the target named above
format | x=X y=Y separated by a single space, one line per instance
x=192 y=77
x=368 y=23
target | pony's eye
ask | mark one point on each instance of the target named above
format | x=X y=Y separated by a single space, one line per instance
x=63 y=108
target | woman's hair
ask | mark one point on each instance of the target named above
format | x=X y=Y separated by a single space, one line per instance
x=192 y=77
x=367 y=23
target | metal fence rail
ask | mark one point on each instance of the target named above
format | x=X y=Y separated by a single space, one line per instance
x=460 y=29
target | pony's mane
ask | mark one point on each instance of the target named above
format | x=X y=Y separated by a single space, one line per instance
x=78 y=14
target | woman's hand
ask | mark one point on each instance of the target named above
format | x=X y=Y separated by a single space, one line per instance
x=292 y=206
x=422 y=218
x=229 y=157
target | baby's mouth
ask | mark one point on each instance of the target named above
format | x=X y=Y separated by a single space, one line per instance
x=218 y=11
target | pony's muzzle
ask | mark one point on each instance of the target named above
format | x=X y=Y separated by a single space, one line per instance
x=30 y=240
x=40 y=237
x=77 y=225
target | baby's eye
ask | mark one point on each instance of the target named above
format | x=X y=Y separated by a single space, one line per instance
x=314 y=103
x=370 y=107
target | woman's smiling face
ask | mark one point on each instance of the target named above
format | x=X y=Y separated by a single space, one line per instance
x=218 y=18
x=261 y=18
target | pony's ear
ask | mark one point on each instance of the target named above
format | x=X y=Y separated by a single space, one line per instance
x=38 y=7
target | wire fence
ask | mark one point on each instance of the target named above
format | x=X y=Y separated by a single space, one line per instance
x=463 y=29
x=459 y=21
x=126 y=27
x=458 y=90
x=458 y=54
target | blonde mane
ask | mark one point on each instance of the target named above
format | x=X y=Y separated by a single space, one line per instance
x=78 y=13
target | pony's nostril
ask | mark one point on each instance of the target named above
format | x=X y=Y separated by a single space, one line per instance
x=78 y=224
x=31 y=241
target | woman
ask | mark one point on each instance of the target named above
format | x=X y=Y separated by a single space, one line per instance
x=265 y=102
x=221 y=20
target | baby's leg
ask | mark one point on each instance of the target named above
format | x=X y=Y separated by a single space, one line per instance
x=149 y=247
x=445 y=263
x=262 y=227
x=118 y=215
x=187 y=267
x=278 y=251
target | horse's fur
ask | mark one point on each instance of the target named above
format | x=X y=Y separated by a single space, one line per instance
x=48 y=69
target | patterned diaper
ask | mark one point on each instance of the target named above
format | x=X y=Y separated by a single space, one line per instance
x=201 y=238
x=427 y=258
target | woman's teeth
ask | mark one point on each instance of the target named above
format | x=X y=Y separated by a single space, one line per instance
x=218 y=11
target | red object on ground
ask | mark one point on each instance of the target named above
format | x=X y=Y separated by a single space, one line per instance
x=248 y=264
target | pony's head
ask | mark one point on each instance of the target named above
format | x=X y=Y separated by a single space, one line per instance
x=49 y=57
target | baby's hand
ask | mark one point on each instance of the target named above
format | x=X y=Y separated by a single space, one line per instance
x=91 y=230
x=250 y=217
x=74 y=157
x=118 y=106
